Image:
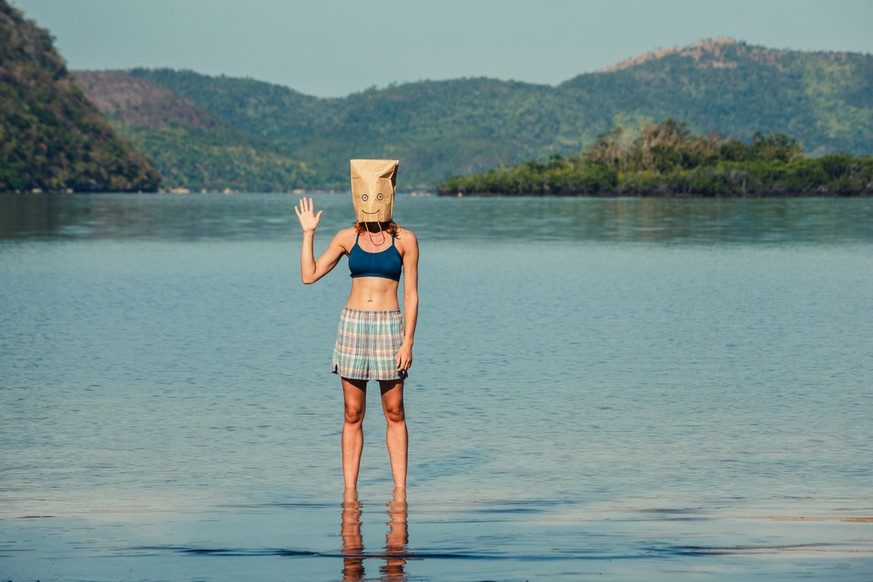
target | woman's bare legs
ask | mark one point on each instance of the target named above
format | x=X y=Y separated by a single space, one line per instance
x=355 y=399
x=395 y=435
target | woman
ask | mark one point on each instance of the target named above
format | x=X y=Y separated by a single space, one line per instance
x=374 y=340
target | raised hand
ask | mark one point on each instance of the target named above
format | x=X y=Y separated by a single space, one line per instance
x=308 y=220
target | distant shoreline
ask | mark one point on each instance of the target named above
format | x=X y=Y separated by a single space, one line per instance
x=867 y=194
x=667 y=160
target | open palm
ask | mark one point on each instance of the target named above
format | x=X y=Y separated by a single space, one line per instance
x=308 y=219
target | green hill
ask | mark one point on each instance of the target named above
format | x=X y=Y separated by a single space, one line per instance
x=192 y=148
x=51 y=137
x=824 y=99
x=436 y=128
x=443 y=128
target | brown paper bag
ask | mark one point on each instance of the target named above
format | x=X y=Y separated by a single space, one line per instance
x=373 y=186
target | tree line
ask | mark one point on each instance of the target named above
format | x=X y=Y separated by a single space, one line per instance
x=666 y=159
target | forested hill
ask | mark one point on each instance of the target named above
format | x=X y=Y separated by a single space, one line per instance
x=192 y=148
x=436 y=129
x=51 y=136
x=824 y=99
x=443 y=128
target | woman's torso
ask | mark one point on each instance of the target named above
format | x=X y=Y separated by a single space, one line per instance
x=374 y=293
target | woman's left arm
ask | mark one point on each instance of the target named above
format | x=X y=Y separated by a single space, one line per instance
x=410 y=299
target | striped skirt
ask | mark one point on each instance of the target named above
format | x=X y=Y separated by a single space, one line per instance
x=367 y=343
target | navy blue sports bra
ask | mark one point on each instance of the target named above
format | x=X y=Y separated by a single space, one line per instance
x=386 y=264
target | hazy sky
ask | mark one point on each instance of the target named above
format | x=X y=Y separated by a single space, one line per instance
x=337 y=47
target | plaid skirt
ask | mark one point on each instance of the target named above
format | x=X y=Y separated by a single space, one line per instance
x=367 y=343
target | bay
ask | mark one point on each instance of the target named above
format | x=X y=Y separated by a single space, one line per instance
x=630 y=387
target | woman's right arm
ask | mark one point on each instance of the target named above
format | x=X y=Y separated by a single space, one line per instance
x=311 y=270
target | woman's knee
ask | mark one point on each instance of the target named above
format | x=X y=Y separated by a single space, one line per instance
x=354 y=413
x=395 y=413
x=355 y=400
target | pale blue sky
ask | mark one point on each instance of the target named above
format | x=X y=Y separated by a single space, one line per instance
x=337 y=47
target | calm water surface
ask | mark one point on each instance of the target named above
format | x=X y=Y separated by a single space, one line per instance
x=669 y=389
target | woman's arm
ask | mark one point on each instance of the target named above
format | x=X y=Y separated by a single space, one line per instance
x=311 y=270
x=410 y=299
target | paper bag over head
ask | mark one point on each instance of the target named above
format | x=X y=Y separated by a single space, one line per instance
x=373 y=185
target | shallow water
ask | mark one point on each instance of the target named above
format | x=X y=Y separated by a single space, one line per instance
x=676 y=389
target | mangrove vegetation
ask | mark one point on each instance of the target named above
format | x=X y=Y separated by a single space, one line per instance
x=666 y=159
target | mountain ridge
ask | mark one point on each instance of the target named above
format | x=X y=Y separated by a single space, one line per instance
x=460 y=126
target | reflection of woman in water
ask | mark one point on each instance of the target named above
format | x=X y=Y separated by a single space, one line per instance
x=396 y=538
x=374 y=339
x=350 y=532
